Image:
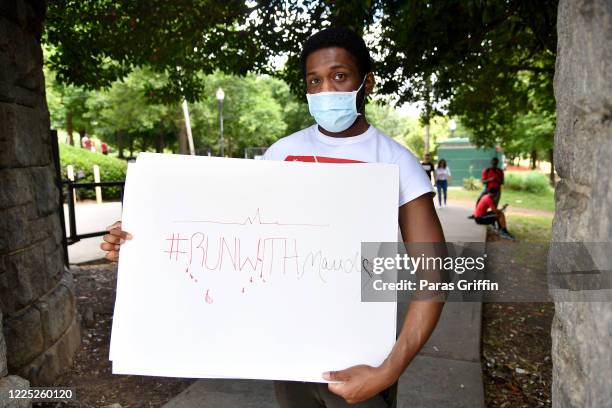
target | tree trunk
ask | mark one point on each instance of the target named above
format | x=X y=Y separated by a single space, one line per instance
x=182 y=139
x=120 y=144
x=581 y=369
x=534 y=159
x=159 y=143
x=551 y=157
x=69 y=128
x=81 y=136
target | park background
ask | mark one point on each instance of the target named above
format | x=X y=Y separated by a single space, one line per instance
x=120 y=72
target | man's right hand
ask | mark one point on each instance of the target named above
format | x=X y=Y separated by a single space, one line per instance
x=113 y=240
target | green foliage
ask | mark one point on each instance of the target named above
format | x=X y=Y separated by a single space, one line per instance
x=472 y=184
x=129 y=114
x=529 y=133
x=387 y=119
x=111 y=169
x=532 y=182
x=252 y=116
x=67 y=104
x=490 y=63
x=469 y=55
x=98 y=42
x=257 y=111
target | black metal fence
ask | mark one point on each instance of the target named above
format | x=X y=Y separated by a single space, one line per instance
x=67 y=189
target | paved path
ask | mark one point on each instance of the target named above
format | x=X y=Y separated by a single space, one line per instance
x=447 y=372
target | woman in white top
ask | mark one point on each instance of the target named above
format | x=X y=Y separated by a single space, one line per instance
x=442 y=176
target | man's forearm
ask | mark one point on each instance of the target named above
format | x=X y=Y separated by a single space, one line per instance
x=421 y=319
x=419 y=223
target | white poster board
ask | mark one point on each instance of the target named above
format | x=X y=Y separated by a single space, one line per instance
x=250 y=269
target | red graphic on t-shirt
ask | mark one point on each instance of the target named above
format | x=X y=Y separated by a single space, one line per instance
x=320 y=159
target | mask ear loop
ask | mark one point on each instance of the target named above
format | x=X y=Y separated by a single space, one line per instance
x=364 y=94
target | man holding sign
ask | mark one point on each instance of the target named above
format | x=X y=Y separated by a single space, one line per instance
x=337 y=70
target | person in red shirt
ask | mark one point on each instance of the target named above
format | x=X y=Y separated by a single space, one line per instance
x=492 y=177
x=486 y=213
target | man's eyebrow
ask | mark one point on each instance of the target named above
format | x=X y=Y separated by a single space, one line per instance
x=335 y=66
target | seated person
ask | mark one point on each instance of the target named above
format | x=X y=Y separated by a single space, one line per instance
x=483 y=216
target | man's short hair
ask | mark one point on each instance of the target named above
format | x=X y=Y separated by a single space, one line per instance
x=495 y=159
x=341 y=38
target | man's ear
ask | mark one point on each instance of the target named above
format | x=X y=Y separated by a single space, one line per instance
x=369 y=83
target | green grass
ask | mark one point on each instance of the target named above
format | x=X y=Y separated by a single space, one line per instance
x=530 y=228
x=517 y=199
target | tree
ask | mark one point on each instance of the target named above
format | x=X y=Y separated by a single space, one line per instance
x=252 y=116
x=68 y=107
x=126 y=115
x=480 y=60
x=100 y=41
x=488 y=63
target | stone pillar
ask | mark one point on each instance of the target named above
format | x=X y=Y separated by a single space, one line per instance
x=582 y=340
x=11 y=382
x=40 y=330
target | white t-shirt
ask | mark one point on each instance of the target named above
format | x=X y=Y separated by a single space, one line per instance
x=443 y=173
x=372 y=146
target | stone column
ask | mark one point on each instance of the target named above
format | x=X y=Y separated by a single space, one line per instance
x=40 y=329
x=581 y=333
x=11 y=382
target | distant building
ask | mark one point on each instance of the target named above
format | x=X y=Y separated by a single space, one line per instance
x=464 y=159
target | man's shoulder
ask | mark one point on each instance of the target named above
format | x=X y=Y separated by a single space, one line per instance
x=393 y=151
x=298 y=136
x=287 y=143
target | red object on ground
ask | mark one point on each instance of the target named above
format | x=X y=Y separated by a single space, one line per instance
x=104 y=148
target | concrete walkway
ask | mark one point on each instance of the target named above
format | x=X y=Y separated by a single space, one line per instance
x=446 y=373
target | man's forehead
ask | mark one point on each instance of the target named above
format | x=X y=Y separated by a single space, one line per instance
x=330 y=58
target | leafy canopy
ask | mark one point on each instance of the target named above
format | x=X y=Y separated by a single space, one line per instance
x=487 y=62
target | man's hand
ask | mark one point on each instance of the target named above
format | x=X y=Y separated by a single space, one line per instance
x=113 y=240
x=359 y=383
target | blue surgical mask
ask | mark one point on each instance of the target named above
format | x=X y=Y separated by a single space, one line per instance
x=334 y=111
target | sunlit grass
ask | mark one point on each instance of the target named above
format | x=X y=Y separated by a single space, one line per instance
x=530 y=228
x=519 y=199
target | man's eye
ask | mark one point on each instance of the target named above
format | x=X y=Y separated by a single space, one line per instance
x=314 y=81
x=339 y=76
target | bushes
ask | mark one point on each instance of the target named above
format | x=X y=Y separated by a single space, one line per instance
x=111 y=169
x=532 y=182
x=472 y=184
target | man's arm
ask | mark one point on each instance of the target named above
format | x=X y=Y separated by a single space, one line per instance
x=486 y=179
x=419 y=223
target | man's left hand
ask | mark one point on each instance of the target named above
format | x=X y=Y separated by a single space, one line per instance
x=358 y=383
